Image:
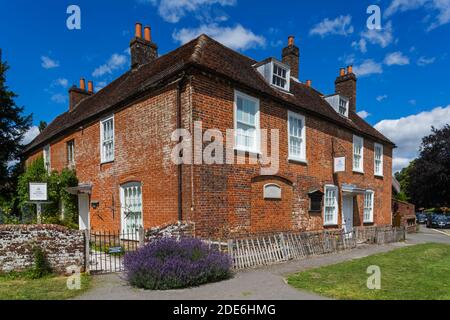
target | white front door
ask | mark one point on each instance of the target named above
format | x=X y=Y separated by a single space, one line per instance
x=131 y=210
x=347 y=214
x=83 y=211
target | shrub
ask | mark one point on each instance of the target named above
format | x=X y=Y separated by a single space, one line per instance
x=170 y=264
x=41 y=266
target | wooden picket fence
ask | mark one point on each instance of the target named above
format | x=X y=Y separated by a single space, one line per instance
x=278 y=248
x=380 y=235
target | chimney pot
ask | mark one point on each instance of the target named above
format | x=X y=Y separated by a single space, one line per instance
x=90 y=87
x=308 y=83
x=138 y=30
x=82 y=84
x=291 y=40
x=350 y=69
x=342 y=72
x=148 y=34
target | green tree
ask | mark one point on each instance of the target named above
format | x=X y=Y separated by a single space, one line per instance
x=60 y=199
x=428 y=182
x=13 y=126
x=42 y=126
x=403 y=178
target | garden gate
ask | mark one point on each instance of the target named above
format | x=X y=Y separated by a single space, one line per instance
x=106 y=250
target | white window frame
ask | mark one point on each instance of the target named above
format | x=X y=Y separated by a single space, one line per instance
x=302 y=156
x=334 y=221
x=288 y=75
x=378 y=173
x=256 y=148
x=127 y=234
x=70 y=146
x=347 y=104
x=103 y=157
x=46 y=152
x=369 y=207
x=360 y=141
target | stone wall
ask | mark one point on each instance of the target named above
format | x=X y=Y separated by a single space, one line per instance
x=62 y=246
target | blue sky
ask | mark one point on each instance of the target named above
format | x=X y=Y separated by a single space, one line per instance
x=403 y=69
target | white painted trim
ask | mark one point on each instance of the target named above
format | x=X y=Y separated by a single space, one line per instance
x=372 y=207
x=378 y=174
x=257 y=148
x=360 y=140
x=336 y=213
x=47 y=153
x=303 y=157
x=102 y=155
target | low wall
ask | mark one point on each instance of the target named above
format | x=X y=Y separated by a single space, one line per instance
x=404 y=215
x=62 y=246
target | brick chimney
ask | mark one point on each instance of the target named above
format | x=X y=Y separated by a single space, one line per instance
x=76 y=95
x=291 y=57
x=345 y=85
x=143 y=50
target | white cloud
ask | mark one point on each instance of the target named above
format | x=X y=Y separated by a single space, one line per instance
x=382 y=97
x=364 y=114
x=117 y=61
x=342 y=26
x=424 y=61
x=368 y=67
x=100 y=85
x=397 y=59
x=382 y=38
x=412 y=102
x=29 y=136
x=407 y=132
x=59 y=98
x=236 y=37
x=63 y=82
x=441 y=9
x=48 y=63
x=173 y=10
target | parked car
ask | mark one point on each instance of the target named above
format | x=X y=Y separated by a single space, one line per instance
x=440 y=221
x=421 y=218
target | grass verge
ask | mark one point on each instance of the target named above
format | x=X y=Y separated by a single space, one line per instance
x=419 y=272
x=21 y=287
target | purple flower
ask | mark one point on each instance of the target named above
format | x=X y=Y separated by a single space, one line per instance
x=171 y=264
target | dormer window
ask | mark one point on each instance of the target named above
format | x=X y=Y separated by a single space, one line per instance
x=339 y=103
x=279 y=78
x=276 y=73
x=343 y=106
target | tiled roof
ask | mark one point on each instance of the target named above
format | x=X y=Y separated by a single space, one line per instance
x=207 y=54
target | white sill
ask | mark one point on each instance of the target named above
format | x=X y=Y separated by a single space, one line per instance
x=331 y=225
x=247 y=151
x=106 y=161
x=358 y=171
x=298 y=160
x=379 y=176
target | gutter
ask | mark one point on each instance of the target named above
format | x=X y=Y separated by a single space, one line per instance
x=180 y=85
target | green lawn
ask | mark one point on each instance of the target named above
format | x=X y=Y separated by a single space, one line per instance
x=419 y=272
x=21 y=287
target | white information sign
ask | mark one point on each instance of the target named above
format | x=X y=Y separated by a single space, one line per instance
x=38 y=191
x=339 y=164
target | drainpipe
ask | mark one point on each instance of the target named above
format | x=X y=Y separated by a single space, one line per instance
x=180 y=166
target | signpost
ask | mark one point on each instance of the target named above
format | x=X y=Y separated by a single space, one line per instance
x=38 y=196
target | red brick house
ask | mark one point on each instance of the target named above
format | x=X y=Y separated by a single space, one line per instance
x=334 y=168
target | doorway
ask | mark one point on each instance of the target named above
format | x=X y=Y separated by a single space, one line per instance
x=83 y=211
x=347 y=214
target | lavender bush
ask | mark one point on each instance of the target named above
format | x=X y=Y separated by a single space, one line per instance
x=171 y=264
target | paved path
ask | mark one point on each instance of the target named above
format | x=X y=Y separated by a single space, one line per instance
x=258 y=284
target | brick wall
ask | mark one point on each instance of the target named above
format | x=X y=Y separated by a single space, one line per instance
x=229 y=199
x=63 y=247
x=404 y=215
x=221 y=200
